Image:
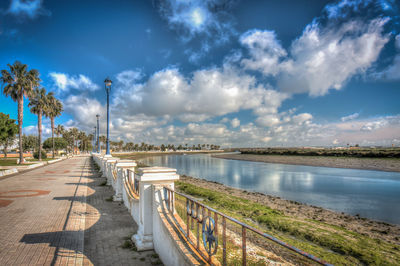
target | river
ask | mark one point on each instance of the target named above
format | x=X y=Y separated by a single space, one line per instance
x=371 y=194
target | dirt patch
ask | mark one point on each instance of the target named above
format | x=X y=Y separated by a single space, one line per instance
x=374 y=229
x=380 y=164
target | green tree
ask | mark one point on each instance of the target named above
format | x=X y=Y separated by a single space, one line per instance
x=53 y=110
x=59 y=130
x=8 y=130
x=74 y=133
x=67 y=135
x=38 y=104
x=59 y=143
x=82 y=141
x=30 y=142
x=19 y=83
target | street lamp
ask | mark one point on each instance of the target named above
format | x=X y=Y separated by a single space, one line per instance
x=94 y=140
x=98 y=134
x=107 y=83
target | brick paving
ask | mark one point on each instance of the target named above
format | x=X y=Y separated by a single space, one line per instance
x=60 y=215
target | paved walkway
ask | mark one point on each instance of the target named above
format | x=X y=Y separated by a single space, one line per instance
x=59 y=215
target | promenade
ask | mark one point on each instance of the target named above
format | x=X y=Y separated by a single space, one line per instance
x=61 y=214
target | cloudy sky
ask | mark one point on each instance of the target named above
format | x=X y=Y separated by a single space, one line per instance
x=233 y=73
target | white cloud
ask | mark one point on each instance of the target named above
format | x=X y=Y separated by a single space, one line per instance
x=392 y=72
x=325 y=58
x=84 y=111
x=344 y=8
x=349 y=117
x=331 y=50
x=265 y=51
x=196 y=17
x=28 y=8
x=235 y=122
x=64 y=82
x=206 y=93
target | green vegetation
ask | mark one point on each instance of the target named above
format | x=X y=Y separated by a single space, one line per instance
x=345 y=152
x=59 y=143
x=8 y=131
x=8 y=162
x=328 y=242
x=39 y=156
x=18 y=83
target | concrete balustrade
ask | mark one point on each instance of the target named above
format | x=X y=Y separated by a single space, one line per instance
x=121 y=167
x=146 y=203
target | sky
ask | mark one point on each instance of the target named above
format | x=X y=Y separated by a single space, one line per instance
x=232 y=73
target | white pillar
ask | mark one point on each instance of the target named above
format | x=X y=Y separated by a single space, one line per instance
x=149 y=179
x=121 y=166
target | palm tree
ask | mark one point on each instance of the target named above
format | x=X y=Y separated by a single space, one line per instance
x=59 y=130
x=74 y=133
x=103 y=140
x=82 y=139
x=20 y=82
x=38 y=103
x=54 y=109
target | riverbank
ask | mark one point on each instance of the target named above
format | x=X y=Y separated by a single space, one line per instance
x=378 y=164
x=337 y=237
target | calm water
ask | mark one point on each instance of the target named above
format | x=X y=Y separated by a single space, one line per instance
x=371 y=194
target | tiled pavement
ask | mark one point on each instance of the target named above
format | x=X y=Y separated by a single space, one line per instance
x=59 y=215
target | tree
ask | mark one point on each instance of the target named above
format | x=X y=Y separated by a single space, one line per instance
x=59 y=130
x=57 y=143
x=8 y=130
x=30 y=142
x=74 y=133
x=38 y=104
x=54 y=109
x=68 y=137
x=19 y=84
x=103 y=140
x=82 y=140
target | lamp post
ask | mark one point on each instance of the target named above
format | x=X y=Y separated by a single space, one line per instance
x=94 y=140
x=98 y=134
x=107 y=83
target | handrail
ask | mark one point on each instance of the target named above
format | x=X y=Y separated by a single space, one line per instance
x=190 y=211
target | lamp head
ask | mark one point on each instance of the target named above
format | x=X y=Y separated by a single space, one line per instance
x=108 y=83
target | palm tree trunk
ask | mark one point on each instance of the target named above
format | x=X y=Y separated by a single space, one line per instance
x=20 y=117
x=73 y=145
x=52 y=132
x=40 y=133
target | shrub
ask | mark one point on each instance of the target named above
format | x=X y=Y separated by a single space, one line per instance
x=36 y=155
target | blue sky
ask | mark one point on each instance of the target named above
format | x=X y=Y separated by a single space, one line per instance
x=233 y=73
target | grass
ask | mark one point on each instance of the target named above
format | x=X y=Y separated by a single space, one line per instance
x=358 y=152
x=8 y=162
x=44 y=159
x=328 y=242
x=13 y=161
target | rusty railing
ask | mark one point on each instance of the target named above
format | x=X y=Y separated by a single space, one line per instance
x=235 y=235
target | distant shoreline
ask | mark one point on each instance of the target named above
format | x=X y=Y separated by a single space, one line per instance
x=377 y=164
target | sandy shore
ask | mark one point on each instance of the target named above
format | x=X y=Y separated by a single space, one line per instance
x=374 y=229
x=384 y=164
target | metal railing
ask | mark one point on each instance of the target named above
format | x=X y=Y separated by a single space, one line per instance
x=235 y=235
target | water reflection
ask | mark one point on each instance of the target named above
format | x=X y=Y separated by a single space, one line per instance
x=371 y=194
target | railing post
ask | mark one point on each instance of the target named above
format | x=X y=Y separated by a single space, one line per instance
x=151 y=181
x=108 y=167
x=121 y=166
